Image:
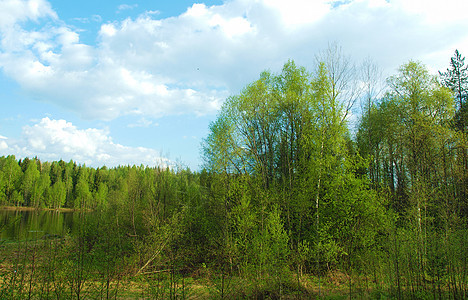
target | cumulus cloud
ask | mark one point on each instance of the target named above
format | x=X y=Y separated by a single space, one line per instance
x=58 y=139
x=295 y=13
x=15 y=11
x=188 y=64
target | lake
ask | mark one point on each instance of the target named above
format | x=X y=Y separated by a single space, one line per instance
x=35 y=224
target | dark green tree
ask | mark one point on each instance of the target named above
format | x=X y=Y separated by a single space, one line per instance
x=456 y=79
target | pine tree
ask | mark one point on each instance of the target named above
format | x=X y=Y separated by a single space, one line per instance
x=456 y=79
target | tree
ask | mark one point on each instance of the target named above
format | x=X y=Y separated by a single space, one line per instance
x=2 y=188
x=135 y=193
x=41 y=190
x=29 y=182
x=283 y=143
x=68 y=175
x=422 y=108
x=12 y=174
x=408 y=134
x=100 y=195
x=83 y=194
x=343 y=77
x=456 y=79
x=55 y=173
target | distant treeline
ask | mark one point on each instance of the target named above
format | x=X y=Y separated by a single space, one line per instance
x=286 y=191
x=33 y=183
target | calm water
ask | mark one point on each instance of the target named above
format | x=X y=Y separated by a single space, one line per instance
x=21 y=225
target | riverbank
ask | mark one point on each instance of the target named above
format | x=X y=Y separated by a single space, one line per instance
x=27 y=208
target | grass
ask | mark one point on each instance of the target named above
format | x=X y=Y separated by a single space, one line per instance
x=44 y=269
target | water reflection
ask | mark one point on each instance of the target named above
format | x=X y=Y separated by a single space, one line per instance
x=21 y=225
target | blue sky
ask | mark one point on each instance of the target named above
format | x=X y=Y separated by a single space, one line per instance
x=109 y=83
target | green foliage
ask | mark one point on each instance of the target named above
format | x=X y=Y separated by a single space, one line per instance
x=31 y=185
x=456 y=78
x=288 y=197
x=409 y=139
x=291 y=177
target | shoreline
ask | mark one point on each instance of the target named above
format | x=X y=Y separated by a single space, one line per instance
x=28 y=208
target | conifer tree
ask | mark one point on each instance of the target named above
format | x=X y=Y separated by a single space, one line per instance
x=456 y=79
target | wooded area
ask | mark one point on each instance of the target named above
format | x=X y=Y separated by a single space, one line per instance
x=288 y=191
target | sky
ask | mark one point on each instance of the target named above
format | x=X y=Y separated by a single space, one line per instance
x=138 y=82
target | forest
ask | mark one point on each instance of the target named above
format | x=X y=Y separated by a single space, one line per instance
x=295 y=200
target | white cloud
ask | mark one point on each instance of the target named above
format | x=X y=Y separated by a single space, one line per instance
x=93 y=18
x=189 y=63
x=143 y=123
x=127 y=7
x=58 y=139
x=3 y=143
x=14 y=11
x=299 y=12
x=108 y=30
x=434 y=11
